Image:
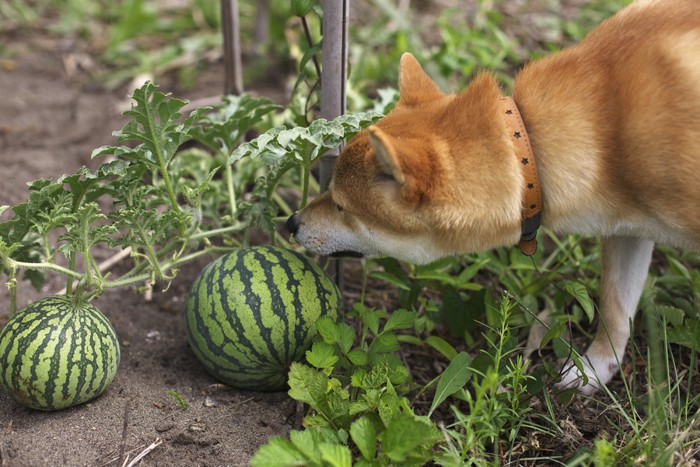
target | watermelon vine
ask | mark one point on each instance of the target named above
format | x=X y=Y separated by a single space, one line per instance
x=155 y=199
x=164 y=203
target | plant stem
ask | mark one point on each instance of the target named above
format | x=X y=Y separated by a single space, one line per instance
x=162 y=163
x=12 y=285
x=219 y=231
x=44 y=266
x=231 y=191
x=305 y=187
x=165 y=267
x=153 y=258
x=306 y=167
x=86 y=251
x=282 y=205
x=310 y=42
x=69 y=280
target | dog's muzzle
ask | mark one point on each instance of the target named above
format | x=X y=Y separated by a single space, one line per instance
x=347 y=254
x=293 y=223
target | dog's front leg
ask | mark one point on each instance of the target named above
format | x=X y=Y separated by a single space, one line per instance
x=625 y=268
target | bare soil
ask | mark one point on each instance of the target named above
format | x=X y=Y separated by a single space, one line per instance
x=51 y=118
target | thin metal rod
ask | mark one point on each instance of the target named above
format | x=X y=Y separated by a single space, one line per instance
x=334 y=75
x=233 y=74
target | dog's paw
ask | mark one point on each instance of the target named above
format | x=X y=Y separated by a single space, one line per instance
x=598 y=372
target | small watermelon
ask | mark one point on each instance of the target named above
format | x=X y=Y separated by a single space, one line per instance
x=251 y=313
x=57 y=353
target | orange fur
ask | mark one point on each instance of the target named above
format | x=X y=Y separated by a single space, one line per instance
x=614 y=123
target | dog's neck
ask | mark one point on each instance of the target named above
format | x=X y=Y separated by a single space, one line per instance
x=532 y=191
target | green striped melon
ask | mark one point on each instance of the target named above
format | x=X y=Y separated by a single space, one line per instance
x=251 y=313
x=56 y=353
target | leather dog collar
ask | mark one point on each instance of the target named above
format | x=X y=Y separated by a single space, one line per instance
x=532 y=192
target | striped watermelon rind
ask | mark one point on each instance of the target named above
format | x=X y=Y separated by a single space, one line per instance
x=57 y=353
x=251 y=313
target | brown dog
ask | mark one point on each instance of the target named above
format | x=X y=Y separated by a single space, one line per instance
x=614 y=128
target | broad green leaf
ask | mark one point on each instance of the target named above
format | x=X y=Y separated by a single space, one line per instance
x=672 y=314
x=580 y=293
x=390 y=278
x=335 y=455
x=370 y=318
x=555 y=330
x=278 y=452
x=302 y=7
x=309 y=440
x=306 y=384
x=358 y=407
x=409 y=339
x=388 y=406
x=400 y=319
x=384 y=343
x=333 y=333
x=455 y=376
x=442 y=346
x=221 y=129
x=403 y=435
x=687 y=335
x=337 y=401
x=358 y=357
x=328 y=329
x=678 y=267
x=469 y=272
x=321 y=355
x=346 y=337
x=364 y=435
x=459 y=314
x=358 y=377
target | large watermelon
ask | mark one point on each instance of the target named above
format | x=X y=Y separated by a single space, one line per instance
x=252 y=312
x=57 y=353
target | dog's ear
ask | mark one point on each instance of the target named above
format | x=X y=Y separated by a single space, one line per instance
x=415 y=86
x=386 y=153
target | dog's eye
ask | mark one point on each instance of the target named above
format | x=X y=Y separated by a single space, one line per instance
x=339 y=208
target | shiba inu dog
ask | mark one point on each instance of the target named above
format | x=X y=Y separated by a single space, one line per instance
x=600 y=139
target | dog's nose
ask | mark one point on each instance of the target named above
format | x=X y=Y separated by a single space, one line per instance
x=293 y=223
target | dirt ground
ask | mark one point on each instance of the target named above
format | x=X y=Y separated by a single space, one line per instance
x=51 y=118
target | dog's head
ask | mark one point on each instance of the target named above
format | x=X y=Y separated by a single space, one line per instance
x=414 y=184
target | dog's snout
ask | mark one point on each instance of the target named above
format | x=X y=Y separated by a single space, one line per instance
x=293 y=223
